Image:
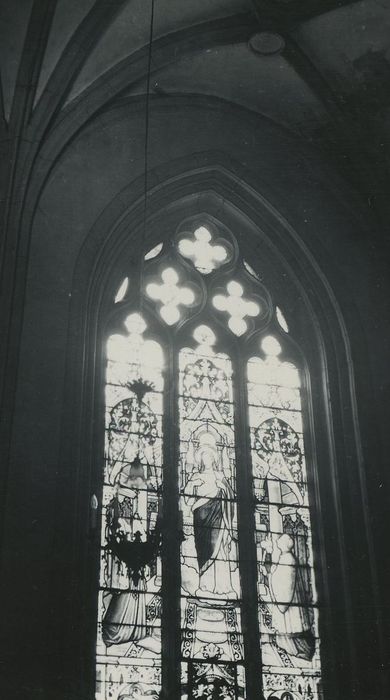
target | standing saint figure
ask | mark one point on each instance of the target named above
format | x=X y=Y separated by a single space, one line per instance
x=292 y=614
x=213 y=511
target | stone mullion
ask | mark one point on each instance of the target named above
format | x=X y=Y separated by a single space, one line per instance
x=171 y=642
x=246 y=536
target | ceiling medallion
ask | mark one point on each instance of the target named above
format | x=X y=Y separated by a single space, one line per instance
x=267 y=43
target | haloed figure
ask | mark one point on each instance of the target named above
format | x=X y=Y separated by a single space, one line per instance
x=292 y=614
x=213 y=524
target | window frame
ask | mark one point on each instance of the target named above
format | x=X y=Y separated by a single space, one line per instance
x=239 y=349
x=322 y=336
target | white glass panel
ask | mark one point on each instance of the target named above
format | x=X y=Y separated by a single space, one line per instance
x=154 y=252
x=285 y=581
x=236 y=306
x=170 y=295
x=211 y=615
x=281 y=319
x=129 y=607
x=204 y=253
x=121 y=293
x=251 y=270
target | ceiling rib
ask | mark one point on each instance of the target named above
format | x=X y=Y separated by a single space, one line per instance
x=284 y=15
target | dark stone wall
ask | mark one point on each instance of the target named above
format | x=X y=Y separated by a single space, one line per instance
x=103 y=163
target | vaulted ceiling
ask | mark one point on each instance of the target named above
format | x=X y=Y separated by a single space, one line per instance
x=318 y=68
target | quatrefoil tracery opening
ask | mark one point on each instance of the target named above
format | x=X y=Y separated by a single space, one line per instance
x=237 y=306
x=170 y=295
x=205 y=255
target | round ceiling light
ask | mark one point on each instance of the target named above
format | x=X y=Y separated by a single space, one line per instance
x=267 y=43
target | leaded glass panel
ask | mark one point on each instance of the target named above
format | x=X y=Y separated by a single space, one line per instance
x=237 y=306
x=200 y=273
x=286 y=592
x=129 y=622
x=212 y=646
x=206 y=253
x=170 y=295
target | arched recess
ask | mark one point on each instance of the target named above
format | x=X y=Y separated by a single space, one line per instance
x=289 y=269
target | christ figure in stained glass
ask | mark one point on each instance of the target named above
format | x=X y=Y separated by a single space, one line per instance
x=213 y=512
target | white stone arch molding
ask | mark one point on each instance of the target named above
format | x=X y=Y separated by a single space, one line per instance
x=288 y=270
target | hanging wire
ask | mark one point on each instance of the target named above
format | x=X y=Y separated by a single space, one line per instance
x=142 y=235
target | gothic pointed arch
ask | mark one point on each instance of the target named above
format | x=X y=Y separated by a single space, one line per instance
x=275 y=253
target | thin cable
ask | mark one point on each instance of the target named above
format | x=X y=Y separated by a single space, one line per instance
x=142 y=238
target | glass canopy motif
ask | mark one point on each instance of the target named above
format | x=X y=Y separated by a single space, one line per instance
x=212 y=647
x=286 y=593
x=222 y=325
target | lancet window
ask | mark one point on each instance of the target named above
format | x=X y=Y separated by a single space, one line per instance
x=204 y=428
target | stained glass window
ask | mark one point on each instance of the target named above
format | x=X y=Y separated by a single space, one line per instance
x=286 y=592
x=121 y=293
x=236 y=306
x=206 y=321
x=206 y=254
x=211 y=624
x=129 y=622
